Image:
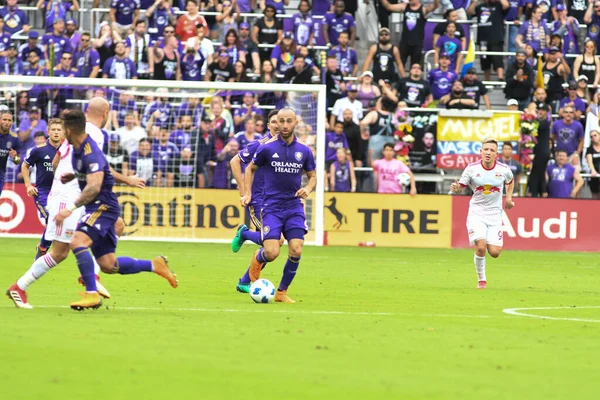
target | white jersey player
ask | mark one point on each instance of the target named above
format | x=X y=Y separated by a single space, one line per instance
x=486 y=179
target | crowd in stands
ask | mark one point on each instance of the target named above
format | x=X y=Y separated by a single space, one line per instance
x=187 y=142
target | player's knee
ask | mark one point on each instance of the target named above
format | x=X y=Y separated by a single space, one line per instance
x=119 y=227
x=494 y=253
x=480 y=251
x=107 y=269
x=76 y=243
x=271 y=253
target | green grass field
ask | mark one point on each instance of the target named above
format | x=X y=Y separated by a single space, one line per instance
x=370 y=323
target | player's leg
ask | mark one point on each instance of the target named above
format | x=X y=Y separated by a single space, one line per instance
x=295 y=238
x=104 y=251
x=41 y=203
x=478 y=238
x=243 y=233
x=495 y=240
x=80 y=246
x=243 y=285
x=272 y=225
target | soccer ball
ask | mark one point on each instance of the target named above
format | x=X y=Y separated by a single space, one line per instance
x=262 y=291
x=403 y=179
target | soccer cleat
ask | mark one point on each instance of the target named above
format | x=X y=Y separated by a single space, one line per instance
x=255 y=267
x=243 y=287
x=100 y=287
x=161 y=267
x=481 y=285
x=18 y=296
x=281 y=296
x=88 y=300
x=40 y=252
x=238 y=242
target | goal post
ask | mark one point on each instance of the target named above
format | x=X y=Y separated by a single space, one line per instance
x=156 y=219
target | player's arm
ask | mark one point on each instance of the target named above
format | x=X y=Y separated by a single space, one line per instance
x=91 y=189
x=31 y=190
x=310 y=186
x=248 y=179
x=236 y=170
x=133 y=181
x=578 y=184
x=460 y=184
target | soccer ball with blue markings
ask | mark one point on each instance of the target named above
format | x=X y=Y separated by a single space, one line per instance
x=262 y=291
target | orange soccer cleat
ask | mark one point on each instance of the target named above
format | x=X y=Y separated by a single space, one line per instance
x=281 y=296
x=88 y=300
x=161 y=267
x=255 y=267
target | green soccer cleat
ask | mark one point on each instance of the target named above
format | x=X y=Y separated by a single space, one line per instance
x=243 y=287
x=238 y=242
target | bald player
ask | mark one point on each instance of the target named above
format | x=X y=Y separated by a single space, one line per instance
x=284 y=161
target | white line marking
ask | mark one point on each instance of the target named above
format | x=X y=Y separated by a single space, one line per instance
x=516 y=311
x=266 y=310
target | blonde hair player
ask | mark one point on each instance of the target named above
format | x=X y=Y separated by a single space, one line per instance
x=487 y=179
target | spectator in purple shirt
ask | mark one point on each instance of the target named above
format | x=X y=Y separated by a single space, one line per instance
x=119 y=66
x=57 y=39
x=304 y=24
x=15 y=20
x=124 y=14
x=592 y=19
x=442 y=78
x=279 y=5
x=248 y=109
x=72 y=32
x=534 y=32
x=567 y=133
x=574 y=101
x=5 y=39
x=119 y=110
x=452 y=46
x=338 y=21
x=11 y=64
x=159 y=15
x=282 y=56
x=183 y=137
x=191 y=64
x=87 y=59
x=141 y=163
x=56 y=10
x=333 y=141
x=165 y=155
x=247 y=136
x=346 y=55
x=568 y=29
x=222 y=175
x=560 y=176
x=31 y=45
x=547 y=7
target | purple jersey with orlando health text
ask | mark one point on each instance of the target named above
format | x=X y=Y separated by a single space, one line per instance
x=560 y=180
x=567 y=137
x=8 y=142
x=101 y=213
x=124 y=10
x=284 y=165
x=338 y=23
x=333 y=142
x=347 y=58
x=342 y=176
x=41 y=158
x=304 y=26
x=246 y=156
x=441 y=82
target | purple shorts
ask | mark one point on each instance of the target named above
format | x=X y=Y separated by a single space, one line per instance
x=99 y=225
x=290 y=222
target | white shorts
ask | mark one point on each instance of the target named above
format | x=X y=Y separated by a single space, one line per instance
x=477 y=229
x=64 y=232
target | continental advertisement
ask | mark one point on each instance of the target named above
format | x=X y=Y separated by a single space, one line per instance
x=459 y=138
x=388 y=220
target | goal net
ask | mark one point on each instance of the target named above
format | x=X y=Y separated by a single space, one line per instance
x=180 y=137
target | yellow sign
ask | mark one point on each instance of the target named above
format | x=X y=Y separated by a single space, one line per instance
x=502 y=127
x=171 y=213
x=388 y=220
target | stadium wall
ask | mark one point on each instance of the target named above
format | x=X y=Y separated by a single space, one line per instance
x=426 y=221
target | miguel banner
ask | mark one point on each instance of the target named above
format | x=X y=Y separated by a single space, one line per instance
x=537 y=224
x=389 y=220
x=459 y=138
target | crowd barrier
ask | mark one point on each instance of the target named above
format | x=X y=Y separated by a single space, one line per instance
x=351 y=219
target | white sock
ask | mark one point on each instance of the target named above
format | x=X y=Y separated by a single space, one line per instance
x=480 y=267
x=36 y=271
x=96 y=266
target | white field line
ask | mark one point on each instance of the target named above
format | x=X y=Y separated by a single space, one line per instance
x=518 y=312
x=267 y=310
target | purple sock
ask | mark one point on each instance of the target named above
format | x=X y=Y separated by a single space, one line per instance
x=260 y=257
x=246 y=278
x=85 y=262
x=43 y=242
x=128 y=265
x=254 y=237
x=289 y=272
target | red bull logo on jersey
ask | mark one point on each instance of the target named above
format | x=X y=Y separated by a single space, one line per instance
x=488 y=189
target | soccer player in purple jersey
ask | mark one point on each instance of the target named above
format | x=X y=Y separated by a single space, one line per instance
x=253 y=208
x=284 y=161
x=96 y=229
